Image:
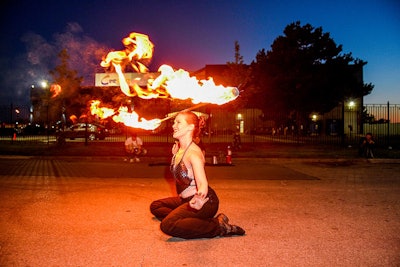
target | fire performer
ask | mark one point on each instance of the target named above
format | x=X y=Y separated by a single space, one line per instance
x=191 y=214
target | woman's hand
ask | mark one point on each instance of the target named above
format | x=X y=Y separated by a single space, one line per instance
x=175 y=148
x=198 y=201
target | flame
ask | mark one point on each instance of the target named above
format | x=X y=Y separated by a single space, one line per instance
x=73 y=118
x=180 y=85
x=137 y=47
x=175 y=84
x=55 y=90
x=131 y=119
x=101 y=112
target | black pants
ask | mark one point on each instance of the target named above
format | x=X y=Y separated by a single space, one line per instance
x=178 y=219
x=366 y=150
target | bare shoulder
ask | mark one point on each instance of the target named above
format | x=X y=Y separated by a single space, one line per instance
x=195 y=153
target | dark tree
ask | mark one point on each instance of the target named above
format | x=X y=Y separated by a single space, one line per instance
x=305 y=71
x=68 y=100
x=237 y=75
x=259 y=93
x=366 y=117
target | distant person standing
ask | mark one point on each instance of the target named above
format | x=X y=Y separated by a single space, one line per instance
x=134 y=148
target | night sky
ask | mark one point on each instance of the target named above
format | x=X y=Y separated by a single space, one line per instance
x=189 y=35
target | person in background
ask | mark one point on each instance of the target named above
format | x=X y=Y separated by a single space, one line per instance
x=367 y=144
x=191 y=213
x=134 y=148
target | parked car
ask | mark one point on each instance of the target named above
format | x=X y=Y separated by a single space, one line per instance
x=94 y=131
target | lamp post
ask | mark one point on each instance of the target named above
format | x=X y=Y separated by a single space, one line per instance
x=351 y=105
x=32 y=107
x=45 y=86
x=343 y=124
x=14 y=118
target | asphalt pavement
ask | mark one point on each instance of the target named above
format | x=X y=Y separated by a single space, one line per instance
x=297 y=209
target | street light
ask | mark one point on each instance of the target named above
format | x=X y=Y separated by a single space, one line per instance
x=44 y=85
x=239 y=123
x=32 y=108
x=314 y=117
x=17 y=112
x=350 y=117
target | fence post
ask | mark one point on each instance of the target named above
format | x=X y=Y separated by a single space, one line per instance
x=343 y=123
x=11 y=122
x=388 y=124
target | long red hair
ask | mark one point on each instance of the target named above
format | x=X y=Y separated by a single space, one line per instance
x=191 y=118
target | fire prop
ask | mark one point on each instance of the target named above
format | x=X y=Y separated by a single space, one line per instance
x=55 y=90
x=172 y=84
x=138 y=47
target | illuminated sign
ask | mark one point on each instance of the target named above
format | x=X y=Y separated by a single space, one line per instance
x=111 y=79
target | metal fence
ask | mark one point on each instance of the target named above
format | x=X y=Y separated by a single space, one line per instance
x=342 y=126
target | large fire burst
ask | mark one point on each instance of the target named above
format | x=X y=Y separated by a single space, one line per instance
x=170 y=83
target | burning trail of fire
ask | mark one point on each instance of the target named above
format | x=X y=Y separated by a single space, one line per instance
x=180 y=85
x=131 y=119
x=137 y=47
x=55 y=90
x=174 y=84
x=102 y=112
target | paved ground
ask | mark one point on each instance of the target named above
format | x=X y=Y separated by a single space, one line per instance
x=305 y=211
x=81 y=205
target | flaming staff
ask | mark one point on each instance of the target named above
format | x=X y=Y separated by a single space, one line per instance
x=186 y=109
x=173 y=84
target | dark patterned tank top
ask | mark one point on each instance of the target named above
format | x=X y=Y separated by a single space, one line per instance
x=180 y=173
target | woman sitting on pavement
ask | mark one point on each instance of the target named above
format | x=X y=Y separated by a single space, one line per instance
x=191 y=213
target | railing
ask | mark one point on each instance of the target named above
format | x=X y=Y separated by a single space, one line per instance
x=339 y=127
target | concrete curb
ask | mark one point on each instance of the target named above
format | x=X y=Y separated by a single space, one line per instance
x=238 y=160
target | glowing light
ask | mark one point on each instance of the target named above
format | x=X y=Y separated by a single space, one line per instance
x=44 y=84
x=314 y=117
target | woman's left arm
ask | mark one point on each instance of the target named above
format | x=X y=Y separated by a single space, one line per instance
x=197 y=162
